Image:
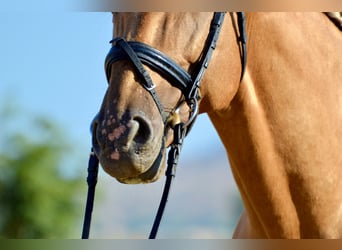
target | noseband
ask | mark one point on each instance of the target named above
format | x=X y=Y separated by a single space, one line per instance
x=140 y=54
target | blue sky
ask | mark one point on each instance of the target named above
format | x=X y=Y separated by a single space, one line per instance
x=51 y=63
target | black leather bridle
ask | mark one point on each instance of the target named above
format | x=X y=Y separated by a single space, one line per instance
x=140 y=54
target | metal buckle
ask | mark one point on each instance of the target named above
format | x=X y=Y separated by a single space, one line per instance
x=149 y=88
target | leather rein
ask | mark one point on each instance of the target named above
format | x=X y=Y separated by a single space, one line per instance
x=140 y=54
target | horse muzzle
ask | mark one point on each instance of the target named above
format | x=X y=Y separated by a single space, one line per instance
x=128 y=147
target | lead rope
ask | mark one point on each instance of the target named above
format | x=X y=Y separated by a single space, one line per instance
x=172 y=161
x=93 y=169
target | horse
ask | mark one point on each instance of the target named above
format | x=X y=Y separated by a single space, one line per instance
x=279 y=116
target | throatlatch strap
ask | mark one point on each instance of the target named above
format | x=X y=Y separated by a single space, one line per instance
x=243 y=40
x=210 y=46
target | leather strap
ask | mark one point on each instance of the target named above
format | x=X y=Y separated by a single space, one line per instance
x=153 y=58
x=243 y=41
x=147 y=82
x=210 y=45
x=93 y=168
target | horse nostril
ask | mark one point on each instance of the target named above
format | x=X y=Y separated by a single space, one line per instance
x=144 y=131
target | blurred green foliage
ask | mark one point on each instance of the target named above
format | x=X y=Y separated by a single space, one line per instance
x=38 y=199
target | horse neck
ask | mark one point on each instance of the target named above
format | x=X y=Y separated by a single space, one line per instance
x=281 y=128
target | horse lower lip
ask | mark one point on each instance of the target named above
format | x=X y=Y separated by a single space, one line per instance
x=151 y=174
x=128 y=161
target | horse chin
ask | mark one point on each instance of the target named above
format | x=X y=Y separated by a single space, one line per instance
x=151 y=175
x=130 y=172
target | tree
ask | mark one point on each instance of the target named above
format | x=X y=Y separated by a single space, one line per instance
x=37 y=200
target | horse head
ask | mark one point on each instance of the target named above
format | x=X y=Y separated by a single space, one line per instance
x=281 y=126
x=134 y=125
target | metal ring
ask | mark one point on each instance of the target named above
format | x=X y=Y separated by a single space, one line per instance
x=193 y=112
